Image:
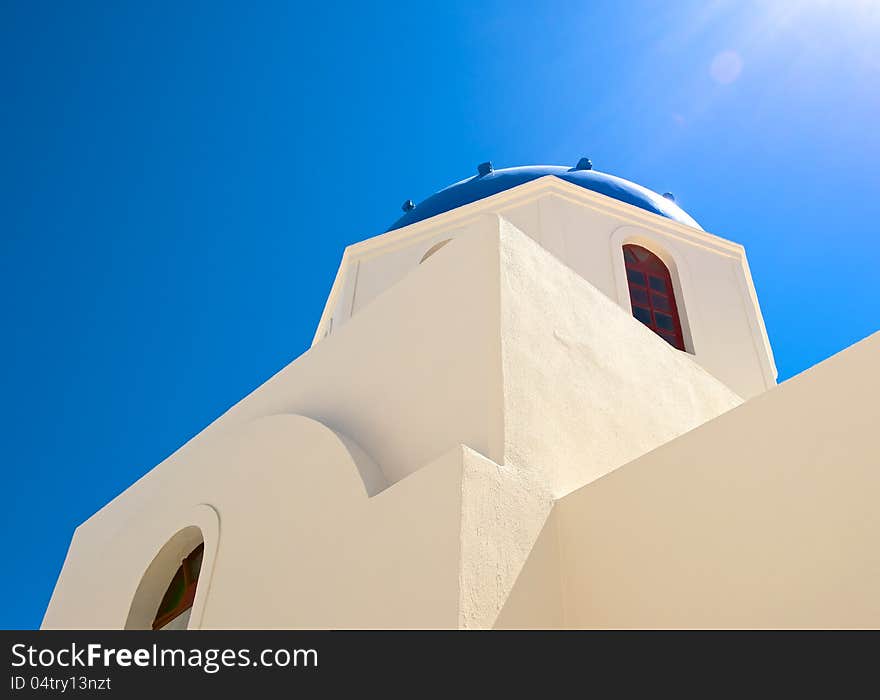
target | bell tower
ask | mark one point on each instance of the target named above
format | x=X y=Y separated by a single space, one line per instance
x=639 y=248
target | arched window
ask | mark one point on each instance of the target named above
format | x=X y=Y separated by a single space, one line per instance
x=651 y=294
x=173 y=612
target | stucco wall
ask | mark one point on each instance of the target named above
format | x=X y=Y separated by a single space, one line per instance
x=764 y=517
x=369 y=512
x=412 y=375
x=587 y=388
x=293 y=539
x=503 y=510
x=407 y=382
x=401 y=472
x=299 y=542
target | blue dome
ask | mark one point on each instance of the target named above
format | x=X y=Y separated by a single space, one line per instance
x=495 y=181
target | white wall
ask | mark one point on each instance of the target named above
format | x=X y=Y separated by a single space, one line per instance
x=764 y=517
x=413 y=374
x=300 y=543
x=364 y=509
x=587 y=388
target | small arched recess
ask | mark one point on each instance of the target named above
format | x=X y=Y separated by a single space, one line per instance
x=433 y=249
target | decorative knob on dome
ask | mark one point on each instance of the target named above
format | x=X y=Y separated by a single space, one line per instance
x=584 y=164
x=408 y=205
x=485 y=168
x=669 y=196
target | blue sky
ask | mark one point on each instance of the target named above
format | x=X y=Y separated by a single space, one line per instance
x=179 y=181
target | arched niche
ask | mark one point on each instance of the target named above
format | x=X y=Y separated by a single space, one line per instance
x=433 y=249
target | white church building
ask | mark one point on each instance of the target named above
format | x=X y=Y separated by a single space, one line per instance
x=545 y=397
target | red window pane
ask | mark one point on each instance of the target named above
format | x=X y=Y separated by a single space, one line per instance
x=658 y=284
x=660 y=302
x=664 y=321
x=639 y=296
x=657 y=310
x=636 y=277
x=644 y=315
